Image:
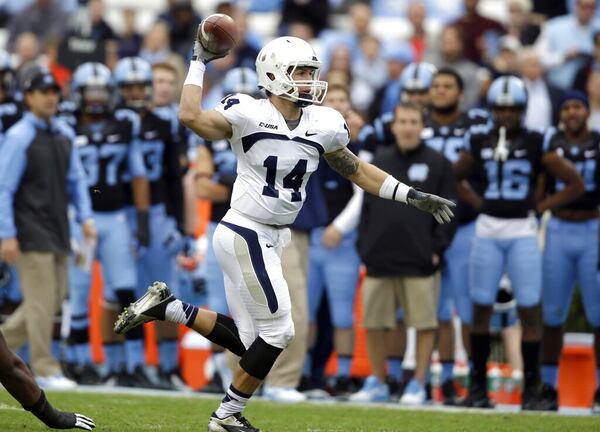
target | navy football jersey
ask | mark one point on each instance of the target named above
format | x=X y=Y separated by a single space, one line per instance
x=161 y=159
x=10 y=113
x=111 y=155
x=509 y=186
x=586 y=158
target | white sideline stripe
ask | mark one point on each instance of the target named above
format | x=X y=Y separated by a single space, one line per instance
x=4 y=407
x=500 y=409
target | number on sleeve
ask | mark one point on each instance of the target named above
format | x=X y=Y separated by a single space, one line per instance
x=229 y=101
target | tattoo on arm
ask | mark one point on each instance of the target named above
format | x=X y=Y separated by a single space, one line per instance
x=343 y=161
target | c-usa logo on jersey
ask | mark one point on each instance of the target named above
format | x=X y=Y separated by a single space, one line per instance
x=418 y=172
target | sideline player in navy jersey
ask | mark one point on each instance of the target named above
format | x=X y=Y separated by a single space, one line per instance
x=510 y=157
x=445 y=128
x=278 y=142
x=10 y=110
x=215 y=173
x=571 y=252
x=10 y=113
x=333 y=261
x=161 y=152
x=415 y=82
x=111 y=156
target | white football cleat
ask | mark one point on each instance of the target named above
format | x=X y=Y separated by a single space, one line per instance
x=234 y=423
x=149 y=307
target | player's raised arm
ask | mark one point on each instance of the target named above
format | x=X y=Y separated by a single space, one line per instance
x=210 y=125
x=378 y=182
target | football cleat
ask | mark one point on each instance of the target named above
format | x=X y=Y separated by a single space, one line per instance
x=234 y=423
x=149 y=307
x=548 y=398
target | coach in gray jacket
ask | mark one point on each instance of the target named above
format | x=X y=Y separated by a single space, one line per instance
x=39 y=171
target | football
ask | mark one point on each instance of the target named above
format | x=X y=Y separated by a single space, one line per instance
x=217 y=33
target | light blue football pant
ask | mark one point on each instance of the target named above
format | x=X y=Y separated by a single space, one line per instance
x=519 y=257
x=335 y=271
x=570 y=257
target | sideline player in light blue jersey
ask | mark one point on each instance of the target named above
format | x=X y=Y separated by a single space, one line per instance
x=111 y=155
x=161 y=152
x=571 y=253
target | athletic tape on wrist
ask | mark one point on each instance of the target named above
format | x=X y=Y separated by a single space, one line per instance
x=195 y=75
x=394 y=189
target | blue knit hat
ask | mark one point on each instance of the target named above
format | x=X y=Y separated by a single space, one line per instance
x=574 y=95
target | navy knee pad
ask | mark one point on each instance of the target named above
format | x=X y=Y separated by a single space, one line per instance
x=259 y=358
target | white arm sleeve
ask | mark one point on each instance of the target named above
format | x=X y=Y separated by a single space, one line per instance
x=348 y=218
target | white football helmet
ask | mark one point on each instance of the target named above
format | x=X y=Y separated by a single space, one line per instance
x=276 y=63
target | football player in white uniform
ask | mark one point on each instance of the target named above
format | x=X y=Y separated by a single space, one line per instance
x=278 y=142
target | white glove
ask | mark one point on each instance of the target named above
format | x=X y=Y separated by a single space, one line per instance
x=439 y=207
x=83 y=422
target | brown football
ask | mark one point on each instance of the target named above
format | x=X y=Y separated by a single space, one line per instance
x=217 y=33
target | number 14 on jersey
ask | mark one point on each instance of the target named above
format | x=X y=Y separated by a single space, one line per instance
x=293 y=180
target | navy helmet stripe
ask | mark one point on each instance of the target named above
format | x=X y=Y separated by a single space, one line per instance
x=258 y=263
x=249 y=140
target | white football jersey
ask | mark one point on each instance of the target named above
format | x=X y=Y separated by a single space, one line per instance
x=274 y=162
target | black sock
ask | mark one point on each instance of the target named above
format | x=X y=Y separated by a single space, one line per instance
x=531 y=363
x=225 y=334
x=480 y=348
x=50 y=416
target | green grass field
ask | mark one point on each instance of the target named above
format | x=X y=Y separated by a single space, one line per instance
x=129 y=413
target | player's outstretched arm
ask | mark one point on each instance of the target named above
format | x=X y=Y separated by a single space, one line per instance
x=564 y=170
x=378 y=182
x=210 y=125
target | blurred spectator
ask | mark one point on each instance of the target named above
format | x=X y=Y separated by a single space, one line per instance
x=264 y=5
x=369 y=71
x=592 y=63
x=183 y=25
x=565 y=39
x=550 y=9
x=593 y=92
x=479 y=33
x=506 y=62
x=340 y=60
x=87 y=36
x=403 y=274
x=313 y=12
x=542 y=108
x=396 y=56
x=27 y=49
x=13 y=7
x=360 y=15
x=44 y=18
x=130 y=41
x=248 y=42
x=90 y=22
x=157 y=49
x=520 y=24
x=451 y=55
x=419 y=39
